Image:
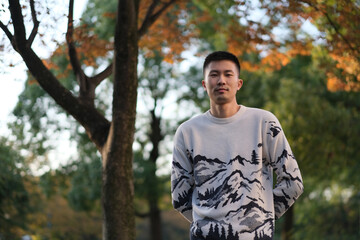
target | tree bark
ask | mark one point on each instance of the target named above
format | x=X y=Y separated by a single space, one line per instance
x=155 y=221
x=286 y=232
x=153 y=199
x=118 y=190
x=114 y=140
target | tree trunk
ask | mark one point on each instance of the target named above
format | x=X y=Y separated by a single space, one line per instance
x=114 y=140
x=153 y=197
x=286 y=232
x=155 y=220
x=153 y=201
x=118 y=189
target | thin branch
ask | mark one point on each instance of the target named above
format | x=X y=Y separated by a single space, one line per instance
x=338 y=32
x=148 y=15
x=19 y=27
x=6 y=31
x=333 y=24
x=75 y=63
x=151 y=17
x=97 y=79
x=36 y=23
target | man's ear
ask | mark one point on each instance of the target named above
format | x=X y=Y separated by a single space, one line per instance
x=240 y=83
x=203 y=84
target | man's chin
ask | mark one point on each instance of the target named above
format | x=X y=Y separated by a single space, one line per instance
x=221 y=100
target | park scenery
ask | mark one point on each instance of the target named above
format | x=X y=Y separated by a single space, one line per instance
x=86 y=145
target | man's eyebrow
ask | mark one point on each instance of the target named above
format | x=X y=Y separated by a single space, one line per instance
x=216 y=70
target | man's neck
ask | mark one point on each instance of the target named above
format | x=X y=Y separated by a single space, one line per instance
x=224 y=110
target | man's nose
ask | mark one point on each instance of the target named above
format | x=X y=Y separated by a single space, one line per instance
x=221 y=80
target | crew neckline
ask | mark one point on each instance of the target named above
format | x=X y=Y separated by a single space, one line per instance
x=226 y=120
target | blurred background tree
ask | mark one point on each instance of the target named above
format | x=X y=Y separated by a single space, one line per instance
x=309 y=80
x=14 y=196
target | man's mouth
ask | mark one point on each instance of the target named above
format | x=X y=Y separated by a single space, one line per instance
x=221 y=90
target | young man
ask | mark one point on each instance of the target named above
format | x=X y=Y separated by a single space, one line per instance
x=223 y=163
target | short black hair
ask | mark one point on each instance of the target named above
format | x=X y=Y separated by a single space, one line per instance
x=221 y=55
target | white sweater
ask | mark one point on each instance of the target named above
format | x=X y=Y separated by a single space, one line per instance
x=222 y=175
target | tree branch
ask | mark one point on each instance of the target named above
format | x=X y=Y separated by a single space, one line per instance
x=95 y=124
x=151 y=17
x=338 y=32
x=6 y=31
x=87 y=88
x=149 y=12
x=19 y=27
x=36 y=23
x=75 y=63
x=97 y=79
x=332 y=23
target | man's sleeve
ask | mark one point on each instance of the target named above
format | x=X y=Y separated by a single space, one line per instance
x=182 y=180
x=289 y=184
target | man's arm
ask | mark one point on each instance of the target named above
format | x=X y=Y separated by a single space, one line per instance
x=289 y=184
x=182 y=180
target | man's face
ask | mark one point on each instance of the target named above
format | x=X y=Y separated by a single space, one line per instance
x=221 y=81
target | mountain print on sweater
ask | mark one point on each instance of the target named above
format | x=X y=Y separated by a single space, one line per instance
x=236 y=189
x=230 y=195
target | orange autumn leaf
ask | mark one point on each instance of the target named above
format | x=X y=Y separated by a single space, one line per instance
x=111 y=15
x=298 y=48
x=333 y=83
x=336 y=84
x=248 y=66
x=348 y=63
x=167 y=36
x=32 y=81
x=275 y=60
x=90 y=47
x=49 y=65
x=349 y=79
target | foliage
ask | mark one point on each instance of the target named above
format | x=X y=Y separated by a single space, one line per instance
x=14 y=195
x=85 y=191
x=311 y=114
x=192 y=92
x=275 y=29
x=57 y=220
x=338 y=26
x=331 y=213
x=32 y=115
x=321 y=127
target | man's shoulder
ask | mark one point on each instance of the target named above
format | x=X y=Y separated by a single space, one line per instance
x=193 y=121
x=260 y=113
x=189 y=125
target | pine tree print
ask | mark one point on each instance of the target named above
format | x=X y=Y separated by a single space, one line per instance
x=262 y=236
x=255 y=158
x=211 y=232
x=231 y=235
x=223 y=233
x=216 y=232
